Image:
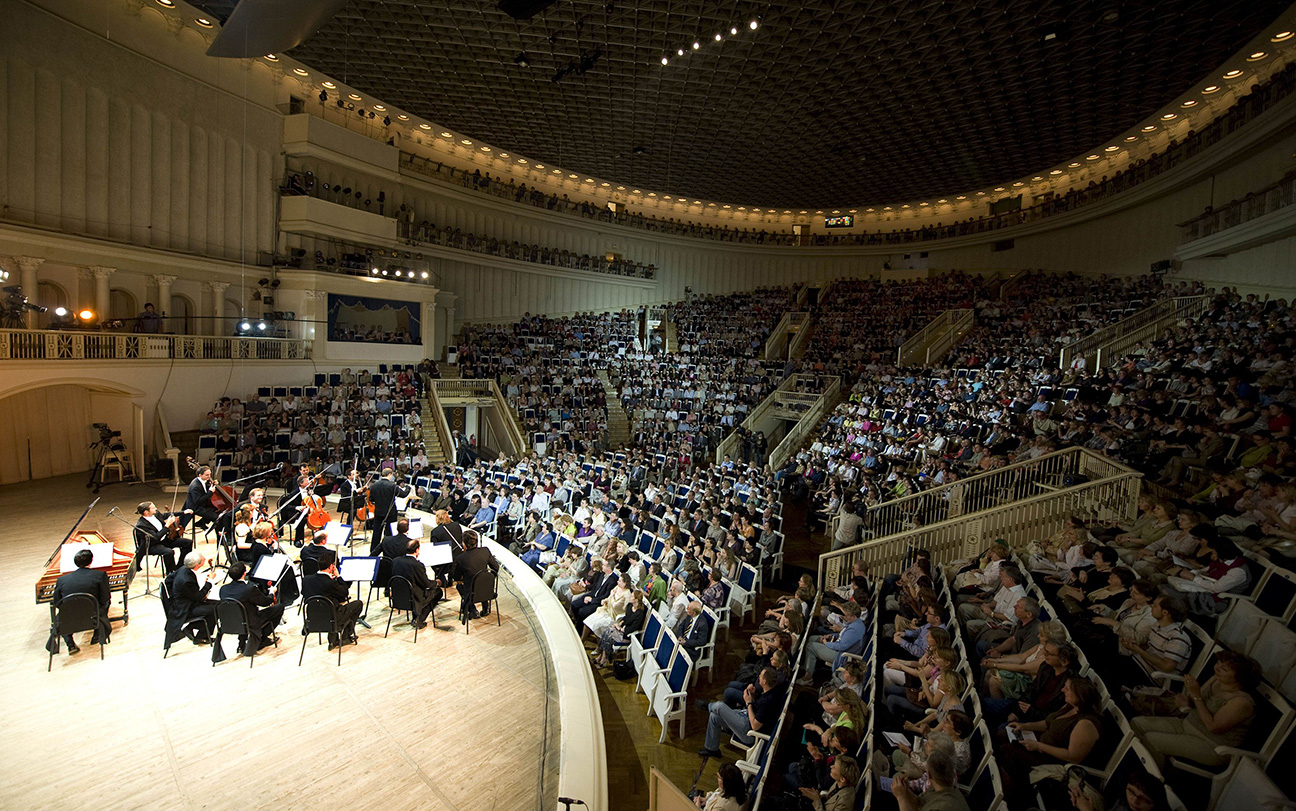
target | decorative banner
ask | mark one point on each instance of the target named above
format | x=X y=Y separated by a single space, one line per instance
x=373 y=320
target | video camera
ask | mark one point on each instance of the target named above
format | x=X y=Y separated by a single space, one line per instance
x=13 y=304
x=107 y=435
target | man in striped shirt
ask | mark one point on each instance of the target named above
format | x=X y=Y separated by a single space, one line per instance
x=1168 y=645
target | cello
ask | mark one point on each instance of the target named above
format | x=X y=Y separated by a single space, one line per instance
x=222 y=495
x=316 y=516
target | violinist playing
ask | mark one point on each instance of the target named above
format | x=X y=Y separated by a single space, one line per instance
x=294 y=507
x=350 y=496
x=161 y=533
x=198 y=505
x=262 y=541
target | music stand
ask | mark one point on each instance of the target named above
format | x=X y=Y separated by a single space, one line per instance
x=360 y=570
x=271 y=568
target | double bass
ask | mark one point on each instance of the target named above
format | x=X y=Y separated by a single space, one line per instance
x=222 y=497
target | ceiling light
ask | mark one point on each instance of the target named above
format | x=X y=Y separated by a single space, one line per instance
x=1211 y=89
x=696 y=45
x=522 y=60
x=540 y=166
x=1129 y=138
x=734 y=30
x=353 y=96
x=906 y=205
x=1111 y=148
x=559 y=172
x=1189 y=103
x=719 y=37
x=330 y=85
x=868 y=209
x=667 y=197
x=753 y=24
x=1093 y=157
x=742 y=208
x=1149 y=128
x=384 y=273
x=636 y=191
x=403 y=117
x=1055 y=172
x=1257 y=56
x=1073 y=164
x=1281 y=36
x=757 y=211
x=1033 y=179
x=726 y=206
x=679 y=51
x=960 y=197
x=485 y=149
x=886 y=208
x=1015 y=185
x=1169 y=116
x=373 y=271
x=379 y=108
x=695 y=202
x=605 y=183
x=652 y=194
x=504 y=154
x=921 y=204
x=272 y=57
x=999 y=188
x=203 y=21
x=425 y=274
x=665 y=60
x=300 y=72
x=573 y=177
x=1233 y=74
x=170 y=4
x=465 y=142
x=428 y=127
x=620 y=188
x=853 y=210
x=522 y=161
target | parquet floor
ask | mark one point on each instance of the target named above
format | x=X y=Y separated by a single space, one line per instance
x=455 y=721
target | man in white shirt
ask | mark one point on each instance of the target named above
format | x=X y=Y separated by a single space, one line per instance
x=976 y=617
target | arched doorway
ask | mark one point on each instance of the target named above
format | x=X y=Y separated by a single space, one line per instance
x=122 y=307
x=51 y=296
x=179 y=316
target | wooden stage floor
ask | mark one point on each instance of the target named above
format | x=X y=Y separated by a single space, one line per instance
x=466 y=722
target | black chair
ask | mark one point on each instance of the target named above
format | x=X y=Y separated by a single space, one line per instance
x=484 y=588
x=321 y=618
x=76 y=612
x=232 y=618
x=164 y=593
x=401 y=598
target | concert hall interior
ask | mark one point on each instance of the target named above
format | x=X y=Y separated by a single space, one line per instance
x=747 y=406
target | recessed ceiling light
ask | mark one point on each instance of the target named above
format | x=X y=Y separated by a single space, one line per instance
x=1053 y=172
x=272 y=57
x=329 y=85
x=679 y=51
x=1211 y=89
x=868 y=209
x=667 y=197
x=1149 y=128
x=636 y=191
x=1169 y=116
x=353 y=96
x=1189 y=103
x=1018 y=183
x=504 y=154
x=1257 y=56
x=757 y=210
x=1092 y=157
x=906 y=205
x=1033 y=179
x=719 y=37
x=712 y=205
x=753 y=24
x=726 y=206
x=557 y=171
x=1073 y=164
x=665 y=61
x=203 y=21
x=428 y=127
x=853 y=210
x=742 y=208
x=465 y=142
x=485 y=149
x=300 y=72
x=980 y=194
x=403 y=117
x=922 y=203
x=605 y=183
x=838 y=211
x=1111 y=148
x=573 y=177
x=540 y=166
x=522 y=161
x=696 y=45
x=960 y=197
x=886 y=208
x=652 y=194
x=1281 y=36
x=620 y=188
x=1233 y=74
x=170 y=4
x=733 y=30
x=589 y=180
x=999 y=188
x=380 y=108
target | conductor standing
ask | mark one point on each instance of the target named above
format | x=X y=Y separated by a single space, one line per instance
x=383 y=495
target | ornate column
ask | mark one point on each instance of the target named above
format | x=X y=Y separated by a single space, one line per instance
x=27 y=278
x=102 y=303
x=163 y=302
x=217 y=291
x=314 y=324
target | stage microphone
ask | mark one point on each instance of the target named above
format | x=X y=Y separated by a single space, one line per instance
x=569 y=801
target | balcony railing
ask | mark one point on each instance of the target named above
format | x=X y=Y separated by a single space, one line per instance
x=1253 y=206
x=1143 y=325
x=69 y=345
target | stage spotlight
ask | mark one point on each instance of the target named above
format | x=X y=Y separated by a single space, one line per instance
x=86 y=315
x=244 y=327
x=373 y=271
x=261 y=326
x=61 y=312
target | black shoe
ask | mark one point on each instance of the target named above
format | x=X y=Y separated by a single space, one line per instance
x=710 y=753
x=485 y=612
x=73 y=648
x=702 y=705
x=202 y=641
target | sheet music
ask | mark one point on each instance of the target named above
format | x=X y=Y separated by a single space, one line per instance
x=436 y=554
x=270 y=567
x=415 y=528
x=401 y=501
x=103 y=555
x=358 y=570
x=337 y=533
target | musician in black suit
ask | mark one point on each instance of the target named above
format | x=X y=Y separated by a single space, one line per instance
x=474 y=560
x=198 y=500
x=349 y=496
x=326 y=583
x=383 y=495
x=312 y=552
x=425 y=591
x=82 y=580
x=153 y=536
x=293 y=508
x=582 y=605
x=189 y=599
x=263 y=612
x=394 y=546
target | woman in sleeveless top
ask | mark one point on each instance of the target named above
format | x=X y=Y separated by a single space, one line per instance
x=1066 y=736
x=1220 y=713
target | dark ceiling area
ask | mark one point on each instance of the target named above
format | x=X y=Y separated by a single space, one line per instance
x=826 y=104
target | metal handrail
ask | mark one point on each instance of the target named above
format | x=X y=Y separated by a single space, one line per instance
x=442 y=424
x=1127 y=332
x=20 y=344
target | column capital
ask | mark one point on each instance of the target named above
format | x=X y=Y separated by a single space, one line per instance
x=215 y=287
x=27 y=263
x=162 y=278
x=316 y=295
x=101 y=272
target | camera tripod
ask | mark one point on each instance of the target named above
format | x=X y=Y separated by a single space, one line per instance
x=109 y=450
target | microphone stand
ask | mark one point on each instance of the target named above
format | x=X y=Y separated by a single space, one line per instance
x=148 y=585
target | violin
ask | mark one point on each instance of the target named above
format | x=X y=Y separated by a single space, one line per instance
x=222 y=496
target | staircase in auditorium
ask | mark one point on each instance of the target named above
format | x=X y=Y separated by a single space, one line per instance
x=618 y=423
